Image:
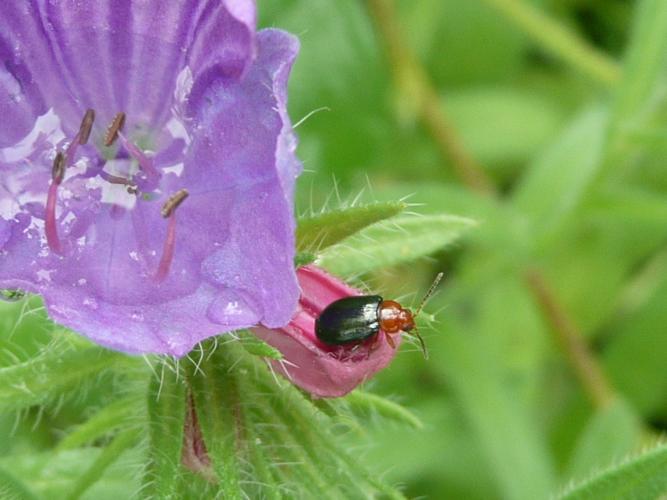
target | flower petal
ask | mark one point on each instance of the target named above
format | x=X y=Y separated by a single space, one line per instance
x=28 y=75
x=233 y=256
x=244 y=152
x=115 y=55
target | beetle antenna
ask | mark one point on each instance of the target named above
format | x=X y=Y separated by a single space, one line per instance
x=428 y=294
x=415 y=332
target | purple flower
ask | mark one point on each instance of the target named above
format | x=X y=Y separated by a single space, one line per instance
x=322 y=370
x=173 y=221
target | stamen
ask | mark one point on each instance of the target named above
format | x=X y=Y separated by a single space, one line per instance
x=86 y=126
x=114 y=129
x=114 y=179
x=51 y=224
x=81 y=136
x=169 y=211
x=173 y=202
x=145 y=163
x=167 y=251
x=58 y=170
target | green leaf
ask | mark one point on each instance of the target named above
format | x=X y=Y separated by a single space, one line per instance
x=641 y=477
x=105 y=421
x=556 y=183
x=304 y=258
x=644 y=70
x=109 y=455
x=258 y=347
x=365 y=402
x=529 y=122
x=166 y=421
x=337 y=473
x=393 y=242
x=12 y=295
x=635 y=355
x=509 y=439
x=317 y=232
x=13 y=489
x=58 y=369
x=638 y=206
x=611 y=434
x=559 y=41
x=219 y=412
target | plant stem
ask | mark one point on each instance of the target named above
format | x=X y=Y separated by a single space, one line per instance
x=559 y=41
x=411 y=75
x=414 y=82
x=571 y=340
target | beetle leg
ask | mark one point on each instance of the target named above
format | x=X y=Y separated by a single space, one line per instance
x=390 y=340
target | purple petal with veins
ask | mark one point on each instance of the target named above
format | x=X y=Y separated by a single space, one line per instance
x=204 y=103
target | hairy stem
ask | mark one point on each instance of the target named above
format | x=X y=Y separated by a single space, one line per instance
x=410 y=75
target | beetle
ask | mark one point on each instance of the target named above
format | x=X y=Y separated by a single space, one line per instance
x=354 y=320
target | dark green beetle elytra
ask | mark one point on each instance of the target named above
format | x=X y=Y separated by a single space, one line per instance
x=349 y=320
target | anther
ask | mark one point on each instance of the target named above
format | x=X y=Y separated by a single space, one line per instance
x=114 y=129
x=86 y=126
x=58 y=170
x=173 y=202
x=169 y=212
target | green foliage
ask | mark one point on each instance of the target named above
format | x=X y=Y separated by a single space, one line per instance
x=248 y=428
x=166 y=401
x=368 y=404
x=57 y=370
x=557 y=182
x=257 y=347
x=563 y=105
x=317 y=232
x=612 y=433
x=117 y=414
x=393 y=242
x=644 y=476
x=13 y=489
x=112 y=452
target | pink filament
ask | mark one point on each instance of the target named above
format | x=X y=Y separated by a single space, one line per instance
x=168 y=250
x=73 y=146
x=51 y=225
x=145 y=163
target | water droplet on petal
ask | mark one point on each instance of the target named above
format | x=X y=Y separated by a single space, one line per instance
x=229 y=308
x=90 y=303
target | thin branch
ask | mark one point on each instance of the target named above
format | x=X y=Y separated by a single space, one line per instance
x=571 y=340
x=413 y=81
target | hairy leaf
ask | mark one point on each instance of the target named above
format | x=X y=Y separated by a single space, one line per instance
x=13 y=489
x=393 y=242
x=166 y=413
x=112 y=452
x=644 y=476
x=317 y=232
x=57 y=370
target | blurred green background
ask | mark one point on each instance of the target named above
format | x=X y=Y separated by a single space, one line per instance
x=563 y=108
x=546 y=122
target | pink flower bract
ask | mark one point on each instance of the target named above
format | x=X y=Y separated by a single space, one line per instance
x=322 y=370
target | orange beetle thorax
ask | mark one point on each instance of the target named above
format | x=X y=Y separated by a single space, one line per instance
x=394 y=319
